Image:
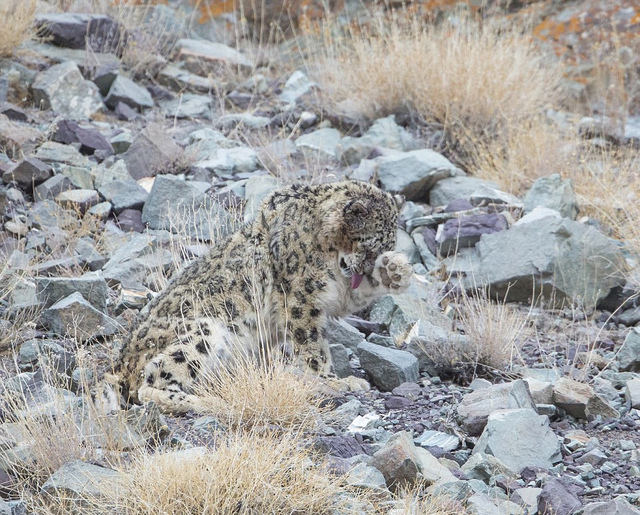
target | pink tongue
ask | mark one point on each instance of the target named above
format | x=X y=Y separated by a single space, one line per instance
x=356 y=279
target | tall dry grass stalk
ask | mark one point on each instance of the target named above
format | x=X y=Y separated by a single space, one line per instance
x=17 y=24
x=494 y=329
x=477 y=83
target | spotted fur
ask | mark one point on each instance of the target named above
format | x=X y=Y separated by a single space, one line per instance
x=312 y=252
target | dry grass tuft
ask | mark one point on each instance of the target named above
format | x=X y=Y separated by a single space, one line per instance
x=477 y=83
x=494 y=330
x=248 y=474
x=260 y=393
x=17 y=24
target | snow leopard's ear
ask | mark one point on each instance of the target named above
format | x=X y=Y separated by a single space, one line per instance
x=354 y=213
x=399 y=199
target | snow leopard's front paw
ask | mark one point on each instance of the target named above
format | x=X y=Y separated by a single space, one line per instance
x=394 y=271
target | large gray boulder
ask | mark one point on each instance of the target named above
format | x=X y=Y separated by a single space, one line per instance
x=413 y=173
x=62 y=89
x=520 y=438
x=77 y=30
x=558 y=259
x=458 y=187
x=91 y=286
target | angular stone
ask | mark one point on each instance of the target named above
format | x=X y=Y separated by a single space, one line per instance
x=37 y=351
x=228 y=122
x=128 y=92
x=617 y=506
x=202 y=217
x=52 y=152
x=387 y=368
x=295 y=87
x=340 y=360
x=81 y=483
x=632 y=393
x=27 y=173
x=320 y=144
x=256 y=190
x=124 y=195
x=228 y=161
x=562 y=260
x=401 y=462
x=50 y=188
x=475 y=407
x=81 y=200
x=629 y=354
x=74 y=316
x=130 y=220
x=558 y=499
x=365 y=477
x=211 y=52
x=413 y=173
x=76 y=30
x=341 y=332
x=486 y=195
x=17 y=139
x=553 y=193
x=180 y=80
x=62 y=89
x=520 y=438
x=189 y=105
x=466 y=231
x=385 y=132
x=90 y=139
x=485 y=467
x=91 y=286
x=454 y=188
x=151 y=152
x=579 y=400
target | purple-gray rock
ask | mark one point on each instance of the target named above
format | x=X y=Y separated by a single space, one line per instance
x=130 y=220
x=27 y=173
x=558 y=498
x=75 y=30
x=151 y=152
x=466 y=231
x=52 y=187
x=13 y=112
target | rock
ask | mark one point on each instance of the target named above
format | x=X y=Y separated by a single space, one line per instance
x=17 y=139
x=13 y=112
x=632 y=393
x=186 y=204
x=230 y=121
x=485 y=195
x=228 y=161
x=340 y=360
x=482 y=504
x=527 y=498
x=629 y=354
x=37 y=351
x=211 y=52
x=444 y=441
x=124 y=195
x=80 y=483
x=485 y=467
x=387 y=368
x=385 y=132
x=413 y=173
x=128 y=92
x=341 y=332
x=74 y=30
x=121 y=141
x=151 y=152
x=180 y=80
x=52 y=152
x=474 y=408
x=62 y=89
x=541 y=391
x=296 y=86
x=520 y=438
x=74 y=316
x=27 y=173
x=553 y=193
x=562 y=260
x=91 y=286
x=579 y=400
x=256 y=189
x=454 y=188
x=81 y=200
x=89 y=255
x=365 y=477
x=466 y=231
x=617 y=506
x=320 y=144
x=558 y=499
x=401 y=462
x=90 y=139
x=189 y=105
x=52 y=187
